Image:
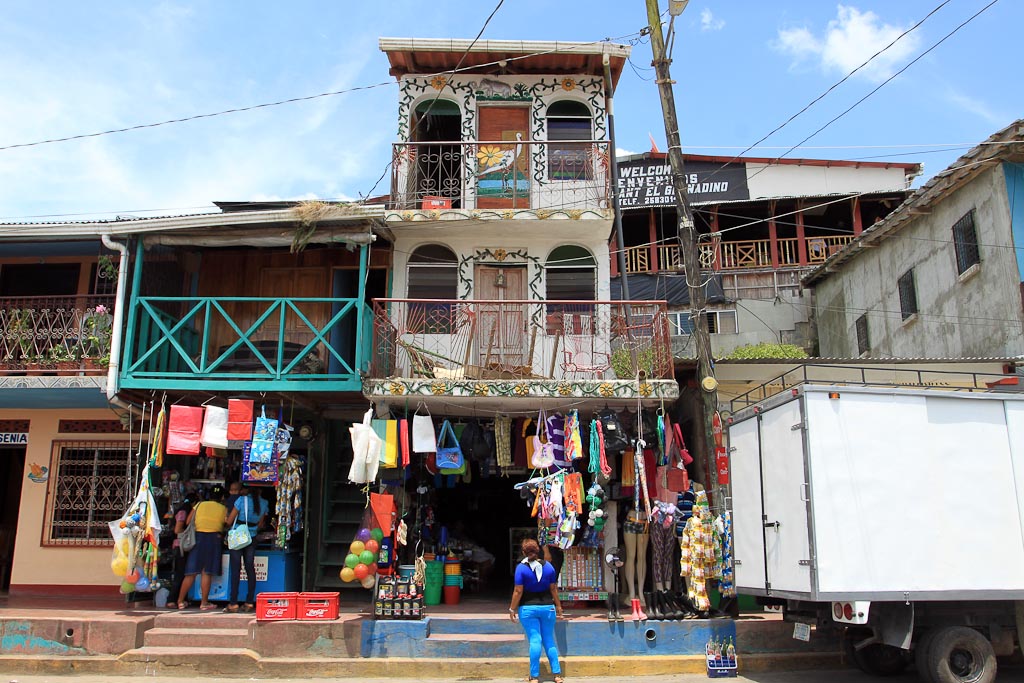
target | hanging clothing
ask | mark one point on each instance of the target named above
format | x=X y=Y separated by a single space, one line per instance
x=663 y=542
x=726 y=584
x=503 y=440
x=700 y=553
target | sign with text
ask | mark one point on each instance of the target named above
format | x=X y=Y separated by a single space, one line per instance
x=13 y=439
x=647 y=183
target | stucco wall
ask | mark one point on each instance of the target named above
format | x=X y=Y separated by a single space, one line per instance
x=760 y=321
x=975 y=315
x=35 y=565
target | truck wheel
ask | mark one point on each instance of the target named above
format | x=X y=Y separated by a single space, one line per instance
x=958 y=654
x=878 y=659
x=921 y=648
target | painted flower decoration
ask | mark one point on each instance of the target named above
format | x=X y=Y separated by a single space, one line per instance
x=508 y=215
x=606 y=390
x=646 y=389
x=575 y=214
x=481 y=389
x=568 y=84
x=520 y=390
x=438 y=82
x=438 y=388
x=564 y=389
x=500 y=254
x=489 y=155
x=396 y=388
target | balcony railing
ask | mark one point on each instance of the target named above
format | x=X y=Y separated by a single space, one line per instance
x=739 y=255
x=573 y=340
x=502 y=175
x=246 y=344
x=55 y=332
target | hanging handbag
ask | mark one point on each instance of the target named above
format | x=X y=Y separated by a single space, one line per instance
x=423 y=438
x=615 y=438
x=215 y=428
x=449 y=456
x=474 y=445
x=543 y=451
x=239 y=419
x=239 y=536
x=187 y=538
x=684 y=455
x=183 y=428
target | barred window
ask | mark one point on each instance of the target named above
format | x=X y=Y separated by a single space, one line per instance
x=719 y=322
x=863 y=342
x=567 y=160
x=965 y=242
x=433 y=274
x=908 y=294
x=90 y=485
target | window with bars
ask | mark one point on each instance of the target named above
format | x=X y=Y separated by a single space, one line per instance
x=567 y=160
x=863 y=341
x=90 y=485
x=719 y=322
x=908 y=294
x=965 y=242
x=433 y=274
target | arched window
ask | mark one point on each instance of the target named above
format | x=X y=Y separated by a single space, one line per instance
x=433 y=274
x=437 y=131
x=571 y=275
x=569 y=120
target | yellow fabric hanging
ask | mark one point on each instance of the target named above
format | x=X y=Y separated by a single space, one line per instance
x=156 y=444
x=391 y=444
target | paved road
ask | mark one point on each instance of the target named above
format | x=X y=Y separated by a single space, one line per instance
x=1006 y=675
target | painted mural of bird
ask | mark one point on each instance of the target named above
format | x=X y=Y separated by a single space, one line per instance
x=494 y=159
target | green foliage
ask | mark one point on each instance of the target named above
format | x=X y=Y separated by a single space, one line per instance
x=622 y=362
x=766 y=350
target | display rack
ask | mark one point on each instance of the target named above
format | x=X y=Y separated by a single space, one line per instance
x=582 y=575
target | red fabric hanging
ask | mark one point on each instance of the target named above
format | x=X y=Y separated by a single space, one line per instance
x=183 y=429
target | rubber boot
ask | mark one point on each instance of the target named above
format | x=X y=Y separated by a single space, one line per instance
x=635 y=604
x=689 y=610
x=611 y=607
x=617 y=608
x=652 y=606
x=640 y=611
x=669 y=606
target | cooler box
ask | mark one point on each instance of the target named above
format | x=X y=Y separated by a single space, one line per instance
x=277 y=571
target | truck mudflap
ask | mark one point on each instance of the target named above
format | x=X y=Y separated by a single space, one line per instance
x=891 y=622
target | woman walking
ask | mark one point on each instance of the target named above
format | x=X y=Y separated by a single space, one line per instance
x=204 y=559
x=179 y=556
x=536 y=606
x=249 y=509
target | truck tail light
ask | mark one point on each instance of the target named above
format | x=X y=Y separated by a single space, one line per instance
x=848 y=611
x=837 y=610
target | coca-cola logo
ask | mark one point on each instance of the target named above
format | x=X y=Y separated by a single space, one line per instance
x=276 y=611
x=318 y=612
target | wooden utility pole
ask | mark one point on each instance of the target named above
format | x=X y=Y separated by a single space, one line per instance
x=687 y=245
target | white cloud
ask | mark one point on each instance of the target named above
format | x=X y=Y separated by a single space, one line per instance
x=847 y=42
x=977 y=107
x=708 y=21
x=620 y=152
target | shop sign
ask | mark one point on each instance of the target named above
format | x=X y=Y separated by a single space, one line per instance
x=13 y=438
x=648 y=183
x=262 y=569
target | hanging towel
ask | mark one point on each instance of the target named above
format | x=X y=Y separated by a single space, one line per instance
x=365 y=451
x=390 y=444
x=380 y=428
x=183 y=429
x=239 y=419
x=403 y=442
x=503 y=440
x=215 y=428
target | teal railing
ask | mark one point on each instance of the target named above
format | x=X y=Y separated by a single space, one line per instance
x=247 y=344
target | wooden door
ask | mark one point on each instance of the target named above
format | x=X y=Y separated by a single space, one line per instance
x=503 y=170
x=501 y=338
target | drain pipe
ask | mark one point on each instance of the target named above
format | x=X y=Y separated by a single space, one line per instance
x=118 y=323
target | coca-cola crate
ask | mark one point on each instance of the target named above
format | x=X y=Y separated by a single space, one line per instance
x=276 y=606
x=317 y=606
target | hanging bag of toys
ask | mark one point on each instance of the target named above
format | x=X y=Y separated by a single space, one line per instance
x=136 y=542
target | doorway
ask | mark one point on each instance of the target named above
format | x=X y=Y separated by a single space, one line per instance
x=438 y=171
x=12 y=469
x=501 y=338
x=503 y=170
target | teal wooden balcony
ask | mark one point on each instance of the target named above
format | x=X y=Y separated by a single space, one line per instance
x=246 y=344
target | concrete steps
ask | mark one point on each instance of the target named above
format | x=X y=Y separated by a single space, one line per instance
x=474 y=626
x=238 y=660
x=227 y=638
x=468 y=645
x=204 y=620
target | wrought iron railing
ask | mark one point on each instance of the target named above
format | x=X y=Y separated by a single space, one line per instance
x=501 y=175
x=55 y=332
x=583 y=340
x=247 y=343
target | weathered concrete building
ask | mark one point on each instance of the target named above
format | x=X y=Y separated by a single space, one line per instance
x=941 y=275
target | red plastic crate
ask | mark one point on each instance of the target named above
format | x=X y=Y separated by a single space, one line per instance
x=276 y=606
x=432 y=202
x=317 y=606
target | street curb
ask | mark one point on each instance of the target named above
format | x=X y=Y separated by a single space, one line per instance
x=302 y=667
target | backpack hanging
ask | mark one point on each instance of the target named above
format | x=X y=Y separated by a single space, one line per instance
x=474 y=445
x=615 y=438
x=449 y=453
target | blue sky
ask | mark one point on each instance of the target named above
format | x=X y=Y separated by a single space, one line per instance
x=742 y=67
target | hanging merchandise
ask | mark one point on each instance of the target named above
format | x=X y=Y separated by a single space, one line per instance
x=240 y=412
x=136 y=541
x=263 y=437
x=598 y=457
x=449 y=456
x=543 y=455
x=472 y=442
x=684 y=455
x=289 y=500
x=215 y=428
x=423 y=437
x=721 y=455
x=700 y=556
x=404 y=453
x=595 y=499
x=156 y=441
x=503 y=441
x=573 y=438
x=257 y=472
x=663 y=443
x=555 y=430
x=366 y=447
x=390 y=458
x=615 y=438
x=629 y=469
x=183 y=429
x=726 y=584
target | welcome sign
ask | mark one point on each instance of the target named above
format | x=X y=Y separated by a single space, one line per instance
x=648 y=182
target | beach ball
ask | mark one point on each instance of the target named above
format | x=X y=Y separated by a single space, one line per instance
x=356 y=547
x=361 y=571
x=347 y=574
x=377 y=535
x=142 y=584
x=373 y=546
x=351 y=560
x=368 y=582
x=119 y=565
x=363 y=535
x=367 y=557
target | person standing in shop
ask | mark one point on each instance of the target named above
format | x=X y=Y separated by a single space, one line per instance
x=536 y=606
x=179 y=556
x=209 y=516
x=250 y=509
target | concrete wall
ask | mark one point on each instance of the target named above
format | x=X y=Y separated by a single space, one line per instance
x=784 y=180
x=977 y=314
x=38 y=568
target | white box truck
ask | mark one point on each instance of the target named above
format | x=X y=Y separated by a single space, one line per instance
x=894 y=514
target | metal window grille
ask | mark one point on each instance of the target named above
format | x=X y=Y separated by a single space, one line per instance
x=965 y=242
x=863 y=341
x=91 y=484
x=719 y=322
x=908 y=294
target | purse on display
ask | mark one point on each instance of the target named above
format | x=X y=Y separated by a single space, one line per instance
x=449 y=457
x=423 y=438
x=543 y=451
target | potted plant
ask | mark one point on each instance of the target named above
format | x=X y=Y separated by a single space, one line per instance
x=64 y=359
x=20 y=329
x=623 y=365
x=97 y=328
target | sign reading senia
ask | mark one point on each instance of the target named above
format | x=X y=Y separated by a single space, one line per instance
x=648 y=182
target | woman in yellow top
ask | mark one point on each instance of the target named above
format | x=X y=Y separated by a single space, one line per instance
x=210 y=516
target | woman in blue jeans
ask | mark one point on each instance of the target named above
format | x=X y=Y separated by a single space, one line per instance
x=250 y=509
x=536 y=606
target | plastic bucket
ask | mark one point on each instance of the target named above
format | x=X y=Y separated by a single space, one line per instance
x=406 y=571
x=433 y=582
x=451 y=595
x=452 y=580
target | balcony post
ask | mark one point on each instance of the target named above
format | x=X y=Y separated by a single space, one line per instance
x=717 y=263
x=858 y=219
x=652 y=229
x=773 y=235
x=615 y=257
x=128 y=351
x=361 y=355
x=801 y=239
